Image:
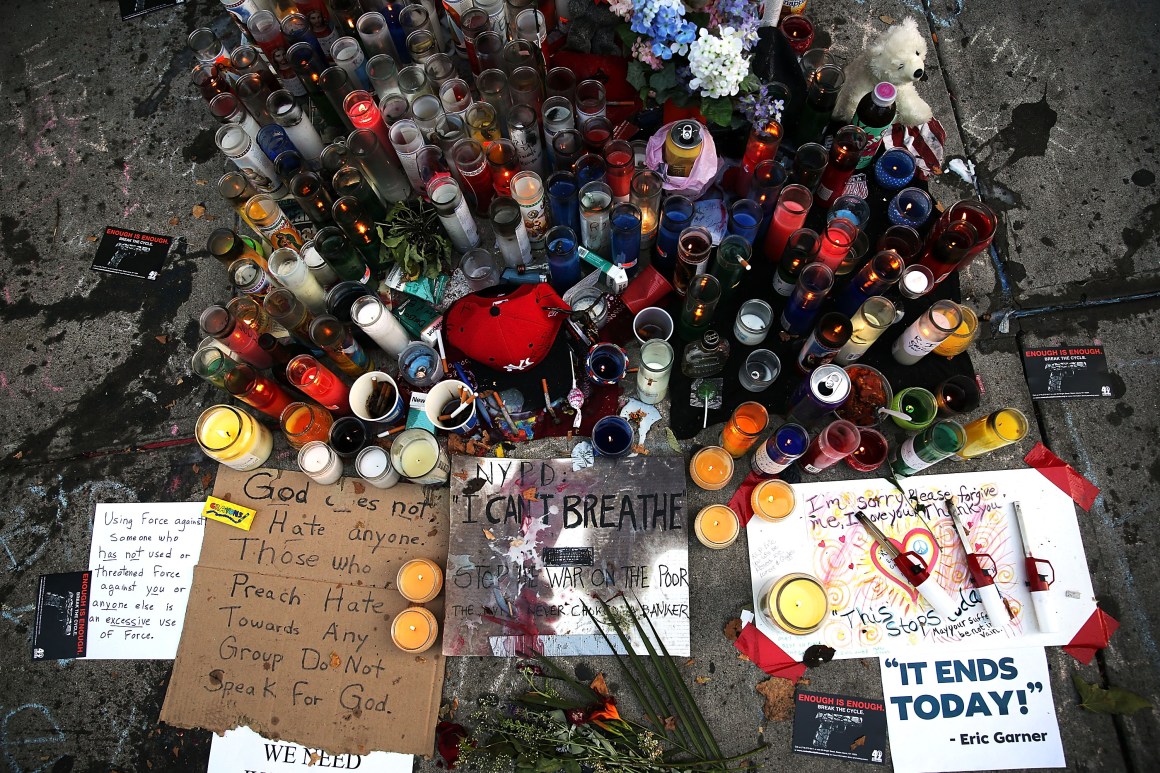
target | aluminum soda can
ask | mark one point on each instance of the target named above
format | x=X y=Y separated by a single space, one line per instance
x=826 y=389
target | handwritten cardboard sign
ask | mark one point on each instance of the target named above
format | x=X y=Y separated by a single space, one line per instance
x=531 y=540
x=288 y=626
x=874 y=611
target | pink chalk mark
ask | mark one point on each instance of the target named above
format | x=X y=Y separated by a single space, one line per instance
x=3 y=381
x=173 y=430
x=7 y=296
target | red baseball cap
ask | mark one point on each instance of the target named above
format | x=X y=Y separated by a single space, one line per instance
x=510 y=332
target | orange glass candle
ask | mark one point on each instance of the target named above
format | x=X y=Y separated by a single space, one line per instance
x=414 y=630
x=419 y=580
x=711 y=468
x=303 y=422
x=773 y=500
x=717 y=527
x=748 y=421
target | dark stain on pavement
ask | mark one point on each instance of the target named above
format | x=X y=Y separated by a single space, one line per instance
x=16 y=242
x=1122 y=411
x=1028 y=133
x=1143 y=178
x=202 y=149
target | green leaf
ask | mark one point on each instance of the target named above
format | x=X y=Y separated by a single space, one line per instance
x=664 y=79
x=671 y=437
x=718 y=110
x=749 y=83
x=1113 y=700
x=637 y=75
x=626 y=35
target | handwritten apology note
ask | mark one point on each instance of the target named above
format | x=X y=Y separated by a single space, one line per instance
x=142 y=558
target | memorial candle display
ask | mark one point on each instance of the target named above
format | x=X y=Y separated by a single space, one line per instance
x=745 y=217
x=469 y=164
x=233 y=438
x=760 y=370
x=419 y=580
x=717 y=527
x=219 y=322
x=746 y=424
x=336 y=339
x=788 y=216
x=960 y=340
x=271 y=222
x=652 y=377
x=928 y=331
x=711 y=468
x=212 y=364
x=831 y=334
x=796 y=603
x=348 y=436
x=772 y=500
x=320 y=462
x=310 y=377
x=511 y=237
x=693 y=248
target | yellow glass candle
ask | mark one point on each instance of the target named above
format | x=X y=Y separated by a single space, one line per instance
x=233 y=438
x=773 y=500
x=1001 y=428
x=414 y=629
x=960 y=340
x=419 y=580
x=711 y=468
x=797 y=603
x=740 y=433
x=716 y=527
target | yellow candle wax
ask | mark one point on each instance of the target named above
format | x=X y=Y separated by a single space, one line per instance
x=233 y=437
x=711 y=468
x=798 y=603
x=418 y=459
x=717 y=527
x=419 y=580
x=773 y=500
x=414 y=629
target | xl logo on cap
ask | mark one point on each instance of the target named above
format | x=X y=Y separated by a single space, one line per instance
x=512 y=332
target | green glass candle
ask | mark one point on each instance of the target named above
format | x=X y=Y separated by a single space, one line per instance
x=935 y=443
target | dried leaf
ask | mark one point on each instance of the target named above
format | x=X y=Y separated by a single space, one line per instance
x=1113 y=700
x=206 y=480
x=198 y=210
x=674 y=444
x=670 y=723
x=744 y=657
x=175 y=220
x=161 y=339
x=335 y=660
x=778 y=694
x=703 y=679
x=196 y=469
x=886 y=18
x=18 y=455
x=433 y=532
x=690 y=662
x=487 y=533
x=733 y=629
x=91 y=238
x=359 y=488
x=529 y=493
x=638 y=448
x=599 y=686
x=314 y=758
x=859 y=741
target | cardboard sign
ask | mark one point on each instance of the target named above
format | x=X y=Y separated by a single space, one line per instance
x=532 y=540
x=62 y=608
x=874 y=611
x=841 y=726
x=288 y=627
x=131 y=253
x=1067 y=371
x=985 y=711
x=142 y=558
x=244 y=751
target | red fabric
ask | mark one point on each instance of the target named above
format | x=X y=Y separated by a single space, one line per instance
x=1092 y=637
x=1059 y=472
x=742 y=501
x=766 y=655
x=514 y=331
x=673 y=112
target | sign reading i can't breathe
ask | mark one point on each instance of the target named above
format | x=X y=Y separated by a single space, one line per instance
x=989 y=711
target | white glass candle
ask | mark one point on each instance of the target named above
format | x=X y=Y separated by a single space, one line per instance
x=290 y=269
x=320 y=462
x=407 y=140
x=348 y=55
x=867 y=325
x=453 y=213
x=656 y=366
x=927 y=332
x=297 y=125
x=369 y=313
x=528 y=192
x=752 y=323
x=374 y=466
x=318 y=265
x=418 y=458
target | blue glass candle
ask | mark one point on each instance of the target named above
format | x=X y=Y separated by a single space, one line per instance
x=606 y=364
x=676 y=215
x=852 y=208
x=274 y=141
x=768 y=179
x=563 y=260
x=745 y=219
x=390 y=11
x=910 y=207
x=563 y=202
x=590 y=168
x=626 y=237
x=813 y=285
x=613 y=437
x=895 y=169
x=781 y=450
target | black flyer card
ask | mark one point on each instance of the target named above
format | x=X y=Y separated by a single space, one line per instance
x=1056 y=372
x=130 y=9
x=840 y=726
x=62 y=614
x=132 y=253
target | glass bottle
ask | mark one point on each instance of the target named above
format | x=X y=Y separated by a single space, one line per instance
x=240 y=147
x=928 y=331
x=960 y=340
x=676 y=214
x=212 y=364
x=595 y=214
x=705 y=357
x=589 y=167
x=620 y=164
x=439 y=69
x=656 y=365
x=489 y=51
x=249 y=278
x=348 y=54
x=833 y=444
x=744 y=427
x=455 y=96
x=693 y=247
x=472 y=23
x=336 y=83
x=254 y=91
x=469 y=164
x=528 y=191
x=939 y=441
x=645 y=194
x=421 y=46
x=510 y=235
x=379 y=166
x=867 y=325
x=745 y=219
x=453 y=213
x=701 y=299
x=626 y=229
x=449 y=129
x=340 y=346
x=768 y=179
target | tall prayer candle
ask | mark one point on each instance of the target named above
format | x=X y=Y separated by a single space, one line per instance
x=311 y=378
x=788 y=216
x=220 y=323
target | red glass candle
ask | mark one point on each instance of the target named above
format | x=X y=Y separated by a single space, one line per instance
x=832 y=445
x=309 y=375
x=979 y=217
x=470 y=167
x=219 y=322
x=363 y=113
x=597 y=132
x=845 y=153
x=257 y=391
x=799 y=31
x=836 y=241
x=871 y=450
x=504 y=162
x=949 y=249
x=619 y=157
x=790 y=214
x=762 y=146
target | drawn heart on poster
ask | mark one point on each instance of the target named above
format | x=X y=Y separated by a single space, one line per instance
x=916 y=540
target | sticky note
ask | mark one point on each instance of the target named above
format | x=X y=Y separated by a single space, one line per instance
x=228 y=512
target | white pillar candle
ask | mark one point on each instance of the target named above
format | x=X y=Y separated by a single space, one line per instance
x=320 y=462
x=418 y=458
x=290 y=269
x=369 y=313
x=374 y=466
x=656 y=367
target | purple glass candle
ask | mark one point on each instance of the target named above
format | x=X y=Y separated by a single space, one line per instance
x=813 y=285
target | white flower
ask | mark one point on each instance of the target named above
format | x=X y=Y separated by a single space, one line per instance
x=718 y=63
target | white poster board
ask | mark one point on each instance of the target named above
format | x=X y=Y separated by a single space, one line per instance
x=142 y=557
x=990 y=710
x=874 y=611
x=241 y=750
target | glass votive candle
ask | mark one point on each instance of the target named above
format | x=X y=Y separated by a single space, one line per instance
x=745 y=218
x=902 y=239
x=798 y=31
x=320 y=462
x=590 y=168
x=780 y=450
x=918 y=404
x=418 y=457
x=618 y=158
x=772 y=500
x=928 y=331
x=793 y=205
x=761 y=369
x=676 y=214
x=656 y=366
x=813 y=285
x=894 y=169
x=734 y=258
x=989 y=433
x=563 y=258
x=653 y=323
x=910 y=207
x=956 y=395
x=645 y=194
x=415 y=629
x=800 y=250
x=257 y=390
x=348 y=436
x=567 y=147
x=809 y=164
x=233 y=438
x=833 y=444
x=701 y=299
x=960 y=340
x=212 y=364
x=717 y=527
x=314 y=380
x=372 y=316
x=626 y=235
x=711 y=468
x=916 y=281
x=796 y=603
x=867 y=324
x=373 y=464
x=752 y=323
x=852 y=208
x=420 y=365
x=746 y=424
x=419 y=580
x=871 y=451
x=613 y=437
x=606 y=364
x=837 y=238
x=693 y=247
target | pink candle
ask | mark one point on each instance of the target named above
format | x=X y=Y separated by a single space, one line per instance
x=790 y=214
x=836 y=240
x=360 y=107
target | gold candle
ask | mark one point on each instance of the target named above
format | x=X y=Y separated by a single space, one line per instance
x=797 y=603
x=772 y=500
x=717 y=527
x=711 y=468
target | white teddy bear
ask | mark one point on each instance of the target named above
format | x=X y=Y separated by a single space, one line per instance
x=896 y=57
